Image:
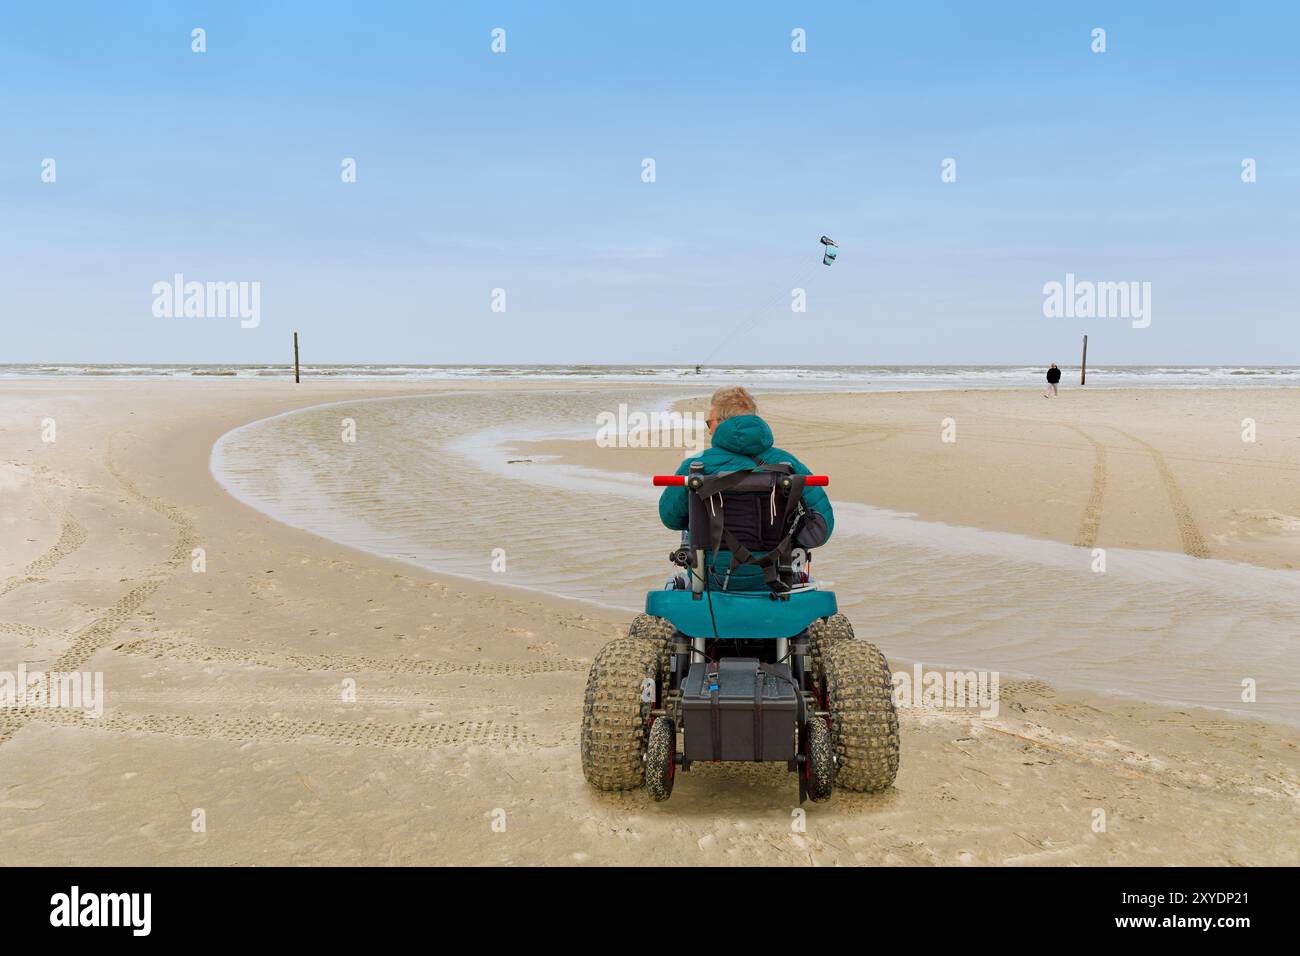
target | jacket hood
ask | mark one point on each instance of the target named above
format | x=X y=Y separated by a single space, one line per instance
x=743 y=435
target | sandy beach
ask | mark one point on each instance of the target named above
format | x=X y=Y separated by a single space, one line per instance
x=1102 y=468
x=308 y=702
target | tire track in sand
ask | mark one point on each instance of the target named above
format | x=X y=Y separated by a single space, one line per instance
x=1188 y=531
x=279 y=729
x=71 y=537
x=30 y=631
x=98 y=633
x=194 y=651
x=1086 y=535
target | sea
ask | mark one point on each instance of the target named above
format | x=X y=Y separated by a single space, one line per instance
x=884 y=378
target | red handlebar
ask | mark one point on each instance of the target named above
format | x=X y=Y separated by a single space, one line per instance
x=670 y=481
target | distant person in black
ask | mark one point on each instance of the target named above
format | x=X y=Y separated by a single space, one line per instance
x=1053 y=376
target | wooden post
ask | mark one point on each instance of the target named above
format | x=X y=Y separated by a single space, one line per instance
x=296 y=380
x=1083 y=369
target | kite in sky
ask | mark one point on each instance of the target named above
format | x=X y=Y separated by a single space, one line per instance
x=831 y=250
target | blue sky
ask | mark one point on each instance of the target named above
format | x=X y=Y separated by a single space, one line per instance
x=522 y=171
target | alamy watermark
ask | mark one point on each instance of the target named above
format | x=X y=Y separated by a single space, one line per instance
x=624 y=429
x=208 y=300
x=129 y=910
x=72 y=690
x=955 y=690
x=1083 y=299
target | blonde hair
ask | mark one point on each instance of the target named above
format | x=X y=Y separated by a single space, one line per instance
x=733 y=400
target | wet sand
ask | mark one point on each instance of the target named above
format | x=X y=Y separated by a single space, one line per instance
x=228 y=691
x=1179 y=627
x=1163 y=469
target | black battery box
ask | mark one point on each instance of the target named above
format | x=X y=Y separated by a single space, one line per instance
x=739 y=709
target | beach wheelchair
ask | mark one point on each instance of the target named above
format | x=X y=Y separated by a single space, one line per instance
x=745 y=659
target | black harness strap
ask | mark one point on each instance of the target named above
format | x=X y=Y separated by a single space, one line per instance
x=771 y=561
x=717 y=485
x=719 y=535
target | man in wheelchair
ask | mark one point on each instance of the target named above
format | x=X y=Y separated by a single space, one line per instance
x=760 y=540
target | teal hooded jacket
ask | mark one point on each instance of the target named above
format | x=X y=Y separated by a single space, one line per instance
x=737 y=443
